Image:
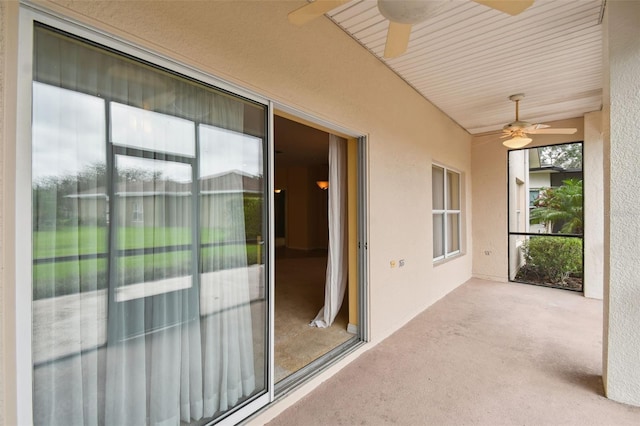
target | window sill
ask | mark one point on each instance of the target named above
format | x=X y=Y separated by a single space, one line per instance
x=441 y=261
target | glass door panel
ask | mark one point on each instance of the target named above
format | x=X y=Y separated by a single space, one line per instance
x=150 y=295
x=153 y=238
x=232 y=262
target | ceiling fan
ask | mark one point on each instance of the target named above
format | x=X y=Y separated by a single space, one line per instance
x=517 y=130
x=402 y=14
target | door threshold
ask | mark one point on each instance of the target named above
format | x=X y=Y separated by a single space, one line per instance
x=298 y=378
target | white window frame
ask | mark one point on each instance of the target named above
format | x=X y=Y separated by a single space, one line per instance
x=446 y=211
x=137 y=213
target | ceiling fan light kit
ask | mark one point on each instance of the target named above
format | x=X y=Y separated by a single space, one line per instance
x=517 y=142
x=517 y=130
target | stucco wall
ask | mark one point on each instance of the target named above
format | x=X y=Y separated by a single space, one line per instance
x=489 y=169
x=622 y=230
x=320 y=70
x=593 y=205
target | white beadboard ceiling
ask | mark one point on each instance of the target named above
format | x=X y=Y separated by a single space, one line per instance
x=469 y=58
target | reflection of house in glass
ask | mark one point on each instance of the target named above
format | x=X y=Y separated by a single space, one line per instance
x=158 y=202
x=220 y=189
x=159 y=267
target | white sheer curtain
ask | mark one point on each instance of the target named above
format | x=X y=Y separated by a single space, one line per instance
x=143 y=334
x=153 y=354
x=336 y=281
x=69 y=296
x=227 y=336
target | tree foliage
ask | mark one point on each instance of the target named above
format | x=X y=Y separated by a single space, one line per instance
x=567 y=156
x=561 y=205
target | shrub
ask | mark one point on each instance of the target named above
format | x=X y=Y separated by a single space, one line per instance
x=253 y=216
x=555 y=258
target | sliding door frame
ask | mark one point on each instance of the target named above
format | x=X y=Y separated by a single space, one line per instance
x=28 y=15
x=361 y=336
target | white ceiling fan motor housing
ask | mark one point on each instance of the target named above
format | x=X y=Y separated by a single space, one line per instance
x=409 y=11
x=517 y=125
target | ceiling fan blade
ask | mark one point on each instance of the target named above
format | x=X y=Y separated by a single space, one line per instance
x=536 y=127
x=311 y=11
x=397 y=39
x=552 y=131
x=511 y=7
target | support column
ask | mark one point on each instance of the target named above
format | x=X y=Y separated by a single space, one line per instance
x=592 y=159
x=621 y=339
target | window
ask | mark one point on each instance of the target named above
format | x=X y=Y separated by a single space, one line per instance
x=446 y=212
x=148 y=291
x=533 y=196
x=137 y=216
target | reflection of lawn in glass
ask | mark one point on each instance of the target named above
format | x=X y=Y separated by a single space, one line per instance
x=69 y=276
x=93 y=239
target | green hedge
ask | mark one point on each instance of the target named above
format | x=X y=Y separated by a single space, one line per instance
x=253 y=216
x=555 y=258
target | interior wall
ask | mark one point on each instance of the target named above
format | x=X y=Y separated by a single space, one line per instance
x=306 y=206
x=321 y=71
x=489 y=168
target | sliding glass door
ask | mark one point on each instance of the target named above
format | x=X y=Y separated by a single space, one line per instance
x=149 y=302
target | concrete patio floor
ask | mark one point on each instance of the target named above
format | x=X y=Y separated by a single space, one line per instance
x=488 y=353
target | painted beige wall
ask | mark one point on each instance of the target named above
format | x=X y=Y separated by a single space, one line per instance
x=518 y=170
x=3 y=36
x=593 y=205
x=8 y=75
x=489 y=169
x=306 y=205
x=621 y=344
x=319 y=70
x=298 y=207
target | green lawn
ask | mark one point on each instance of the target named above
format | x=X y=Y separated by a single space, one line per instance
x=93 y=239
x=65 y=277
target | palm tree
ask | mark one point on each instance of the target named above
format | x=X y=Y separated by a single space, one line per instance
x=560 y=205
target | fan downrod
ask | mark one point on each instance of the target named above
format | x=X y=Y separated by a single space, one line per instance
x=517 y=98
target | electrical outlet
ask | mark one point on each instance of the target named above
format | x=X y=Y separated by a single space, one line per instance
x=401 y=263
x=392 y=263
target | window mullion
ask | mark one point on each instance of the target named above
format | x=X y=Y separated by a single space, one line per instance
x=445 y=220
x=112 y=243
